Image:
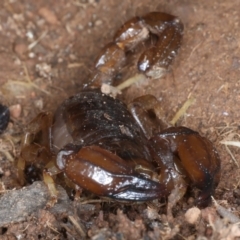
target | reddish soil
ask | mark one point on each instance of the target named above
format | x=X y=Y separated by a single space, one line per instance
x=47 y=51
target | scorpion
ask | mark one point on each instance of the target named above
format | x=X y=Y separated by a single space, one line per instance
x=118 y=151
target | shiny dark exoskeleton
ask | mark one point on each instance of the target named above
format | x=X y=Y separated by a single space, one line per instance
x=117 y=151
x=4 y=117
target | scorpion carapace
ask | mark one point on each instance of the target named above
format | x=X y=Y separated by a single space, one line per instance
x=118 y=151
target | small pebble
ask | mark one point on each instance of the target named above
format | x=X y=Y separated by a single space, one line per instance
x=192 y=215
x=15 y=110
x=20 y=49
x=48 y=15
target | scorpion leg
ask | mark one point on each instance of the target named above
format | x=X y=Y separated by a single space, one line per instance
x=36 y=153
x=148 y=113
x=194 y=156
x=171 y=172
x=180 y=153
x=32 y=144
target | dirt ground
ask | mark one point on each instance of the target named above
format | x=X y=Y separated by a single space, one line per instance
x=47 y=51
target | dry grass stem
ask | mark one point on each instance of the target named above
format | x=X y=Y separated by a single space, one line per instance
x=231 y=143
x=77 y=225
x=182 y=110
x=34 y=44
x=130 y=81
x=232 y=156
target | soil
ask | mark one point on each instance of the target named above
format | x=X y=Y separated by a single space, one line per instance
x=47 y=53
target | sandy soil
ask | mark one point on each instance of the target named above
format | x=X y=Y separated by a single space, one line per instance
x=47 y=51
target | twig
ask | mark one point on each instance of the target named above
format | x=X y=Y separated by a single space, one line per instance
x=77 y=225
x=231 y=143
x=232 y=218
x=130 y=81
x=182 y=110
x=33 y=44
x=95 y=201
x=232 y=156
x=30 y=81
